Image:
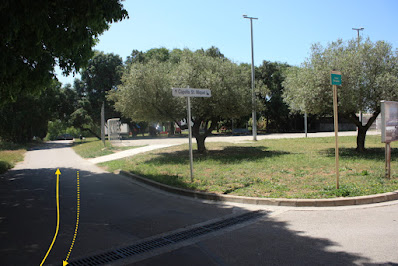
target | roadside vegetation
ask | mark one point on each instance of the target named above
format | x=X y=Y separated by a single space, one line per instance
x=92 y=147
x=286 y=168
x=10 y=154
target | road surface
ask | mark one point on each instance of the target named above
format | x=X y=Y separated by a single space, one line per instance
x=116 y=212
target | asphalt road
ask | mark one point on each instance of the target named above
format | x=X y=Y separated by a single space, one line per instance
x=117 y=212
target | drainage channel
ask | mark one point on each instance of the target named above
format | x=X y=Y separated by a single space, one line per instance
x=165 y=240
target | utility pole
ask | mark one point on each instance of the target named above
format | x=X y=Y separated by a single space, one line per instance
x=359 y=29
x=103 y=123
x=254 y=118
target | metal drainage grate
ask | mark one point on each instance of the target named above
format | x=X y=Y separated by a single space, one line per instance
x=185 y=235
x=100 y=259
x=146 y=246
x=143 y=247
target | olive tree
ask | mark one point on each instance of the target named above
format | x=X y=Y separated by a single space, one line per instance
x=145 y=92
x=369 y=75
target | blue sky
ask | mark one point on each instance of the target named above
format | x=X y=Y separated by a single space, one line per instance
x=284 y=31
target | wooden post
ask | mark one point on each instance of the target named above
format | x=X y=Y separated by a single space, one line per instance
x=336 y=134
x=388 y=160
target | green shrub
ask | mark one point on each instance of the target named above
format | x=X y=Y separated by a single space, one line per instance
x=56 y=128
x=4 y=166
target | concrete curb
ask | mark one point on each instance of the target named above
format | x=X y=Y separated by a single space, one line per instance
x=267 y=201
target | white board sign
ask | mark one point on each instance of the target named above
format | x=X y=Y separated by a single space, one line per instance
x=389 y=121
x=191 y=92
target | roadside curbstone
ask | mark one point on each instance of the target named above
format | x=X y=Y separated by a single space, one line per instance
x=305 y=203
x=325 y=202
x=345 y=201
x=392 y=196
x=361 y=200
x=364 y=200
x=287 y=202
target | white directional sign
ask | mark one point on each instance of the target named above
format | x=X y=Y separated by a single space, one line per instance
x=190 y=92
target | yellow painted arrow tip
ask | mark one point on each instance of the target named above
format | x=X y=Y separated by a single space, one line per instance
x=64 y=263
x=58 y=172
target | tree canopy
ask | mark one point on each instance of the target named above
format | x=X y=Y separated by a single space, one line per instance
x=37 y=35
x=145 y=92
x=369 y=75
x=275 y=110
x=102 y=74
x=28 y=117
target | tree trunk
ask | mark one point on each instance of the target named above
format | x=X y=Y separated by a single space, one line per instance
x=200 y=138
x=200 y=141
x=361 y=139
x=362 y=129
x=172 y=129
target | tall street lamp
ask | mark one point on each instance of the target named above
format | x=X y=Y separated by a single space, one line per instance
x=254 y=127
x=359 y=29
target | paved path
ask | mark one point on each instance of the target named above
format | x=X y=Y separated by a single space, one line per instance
x=159 y=143
x=334 y=236
x=128 y=153
x=116 y=212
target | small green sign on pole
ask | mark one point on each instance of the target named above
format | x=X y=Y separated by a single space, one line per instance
x=335 y=78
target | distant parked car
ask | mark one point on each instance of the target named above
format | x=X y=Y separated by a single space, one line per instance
x=65 y=137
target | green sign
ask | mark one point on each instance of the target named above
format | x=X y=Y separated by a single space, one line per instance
x=335 y=78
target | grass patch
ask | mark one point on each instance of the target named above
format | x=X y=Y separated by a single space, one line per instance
x=92 y=147
x=10 y=154
x=288 y=168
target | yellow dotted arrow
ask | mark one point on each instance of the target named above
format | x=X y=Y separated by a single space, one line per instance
x=65 y=262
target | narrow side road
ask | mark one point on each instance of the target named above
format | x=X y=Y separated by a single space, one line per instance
x=114 y=211
x=159 y=143
x=117 y=212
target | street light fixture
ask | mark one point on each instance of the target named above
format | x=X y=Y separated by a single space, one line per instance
x=358 y=29
x=254 y=127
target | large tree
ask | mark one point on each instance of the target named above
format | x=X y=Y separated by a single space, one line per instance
x=102 y=74
x=369 y=75
x=37 y=35
x=276 y=111
x=28 y=117
x=145 y=93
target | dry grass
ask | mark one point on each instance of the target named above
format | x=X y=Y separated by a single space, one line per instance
x=288 y=168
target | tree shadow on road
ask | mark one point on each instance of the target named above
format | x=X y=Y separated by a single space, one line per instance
x=116 y=211
x=265 y=242
x=52 y=145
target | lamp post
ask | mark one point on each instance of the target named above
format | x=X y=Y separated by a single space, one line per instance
x=359 y=29
x=254 y=127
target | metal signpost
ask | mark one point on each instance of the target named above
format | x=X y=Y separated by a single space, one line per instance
x=190 y=92
x=335 y=79
x=103 y=123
